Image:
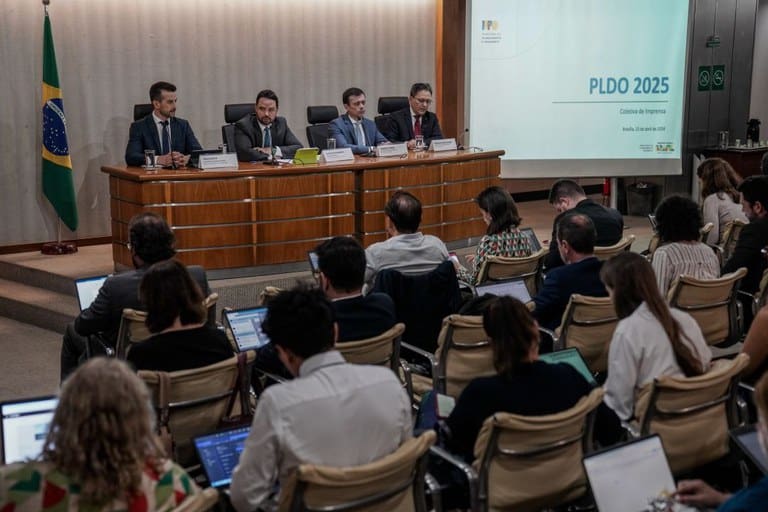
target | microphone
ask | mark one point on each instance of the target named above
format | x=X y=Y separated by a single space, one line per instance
x=461 y=138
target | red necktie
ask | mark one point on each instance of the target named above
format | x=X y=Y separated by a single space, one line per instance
x=417 y=127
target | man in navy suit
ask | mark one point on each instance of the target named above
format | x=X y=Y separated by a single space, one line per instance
x=172 y=138
x=258 y=134
x=404 y=125
x=353 y=130
x=575 y=233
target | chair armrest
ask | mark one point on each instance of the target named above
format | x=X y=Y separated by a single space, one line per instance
x=552 y=336
x=472 y=478
x=429 y=358
x=632 y=431
x=747 y=387
x=274 y=377
x=407 y=379
x=435 y=491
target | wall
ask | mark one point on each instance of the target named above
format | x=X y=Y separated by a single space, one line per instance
x=758 y=107
x=215 y=51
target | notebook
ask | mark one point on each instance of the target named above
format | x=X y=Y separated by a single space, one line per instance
x=535 y=244
x=747 y=441
x=514 y=288
x=573 y=357
x=87 y=289
x=219 y=453
x=306 y=156
x=245 y=325
x=633 y=476
x=24 y=426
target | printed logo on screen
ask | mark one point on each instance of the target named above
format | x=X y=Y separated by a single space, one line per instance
x=490 y=33
x=665 y=147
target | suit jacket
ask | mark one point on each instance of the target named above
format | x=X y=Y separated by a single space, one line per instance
x=399 y=126
x=582 y=277
x=118 y=292
x=248 y=135
x=753 y=237
x=143 y=135
x=364 y=316
x=609 y=225
x=343 y=131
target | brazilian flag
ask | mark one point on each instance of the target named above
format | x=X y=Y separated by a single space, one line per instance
x=57 y=166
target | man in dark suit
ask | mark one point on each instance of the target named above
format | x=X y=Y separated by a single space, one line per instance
x=567 y=195
x=151 y=240
x=171 y=137
x=353 y=130
x=404 y=125
x=341 y=261
x=258 y=134
x=575 y=241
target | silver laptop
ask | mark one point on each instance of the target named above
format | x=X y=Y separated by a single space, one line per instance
x=514 y=288
x=632 y=477
x=535 y=244
x=219 y=453
x=245 y=325
x=24 y=427
x=573 y=357
x=87 y=290
x=747 y=441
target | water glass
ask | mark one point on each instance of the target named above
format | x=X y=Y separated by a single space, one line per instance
x=330 y=143
x=150 y=159
x=419 y=143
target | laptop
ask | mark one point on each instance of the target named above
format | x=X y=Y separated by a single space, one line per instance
x=313 y=262
x=245 y=325
x=87 y=289
x=514 y=288
x=306 y=156
x=219 y=453
x=747 y=441
x=633 y=476
x=573 y=357
x=24 y=426
x=535 y=244
x=652 y=220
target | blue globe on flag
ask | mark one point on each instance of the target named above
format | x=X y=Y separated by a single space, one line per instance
x=54 y=127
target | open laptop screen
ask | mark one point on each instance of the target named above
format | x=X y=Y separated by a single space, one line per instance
x=572 y=356
x=535 y=244
x=219 y=453
x=246 y=327
x=87 y=289
x=747 y=441
x=24 y=425
x=514 y=287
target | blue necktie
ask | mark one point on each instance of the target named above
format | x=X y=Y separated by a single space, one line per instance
x=166 y=142
x=267 y=138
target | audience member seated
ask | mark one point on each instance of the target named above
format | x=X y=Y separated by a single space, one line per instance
x=575 y=241
x=678 y=222
x=651 y=340
x=415 y=119
x=568 y=195
x=101 y=452
x=353 y=130
x=719 y=184
x=150 y=241
x=756 y=346
x=258 y=134
x=342 y=271
x=502 y=238
x=181 y=338
x=333 y=413
x=524 y=384
x=407 y=250
x=696 y=493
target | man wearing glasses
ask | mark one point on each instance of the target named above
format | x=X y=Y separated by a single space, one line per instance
x=406 y=124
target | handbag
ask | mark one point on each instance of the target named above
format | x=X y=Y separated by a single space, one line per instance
x=243 y=385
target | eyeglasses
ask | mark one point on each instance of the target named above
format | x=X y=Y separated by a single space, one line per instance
x=424 y=101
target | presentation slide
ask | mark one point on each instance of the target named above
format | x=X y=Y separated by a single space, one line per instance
x=579 y=87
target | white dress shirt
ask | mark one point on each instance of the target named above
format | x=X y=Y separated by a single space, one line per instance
x=640 y=351
x=334 y=413
x=409 y=254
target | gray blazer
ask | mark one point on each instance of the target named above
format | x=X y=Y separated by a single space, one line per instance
x=248 y=136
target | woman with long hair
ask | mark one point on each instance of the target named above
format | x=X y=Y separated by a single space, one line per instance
x=651 y=339
x=100 y=453
x=181 y=338
x=502 y=237
x=719 y=192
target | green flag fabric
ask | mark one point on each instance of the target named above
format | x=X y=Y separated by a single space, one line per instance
x=57 y=165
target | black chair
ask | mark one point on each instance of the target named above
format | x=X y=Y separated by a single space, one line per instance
x=318 y=118
x=142 y=110
x=233 y=112
x=387 y=105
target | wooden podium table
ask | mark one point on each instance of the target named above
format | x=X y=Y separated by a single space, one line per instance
x=265 y=215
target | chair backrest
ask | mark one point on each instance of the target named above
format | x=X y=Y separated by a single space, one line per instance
x=194 y=401
x=206 y=499
x=387 y=105
x=383 y=350
x=693 y=415
x=463 y=353
x=393 y=483
x=730 y=238
x=711 y=302
x=142 y=110
x=500 y=268
x=588 y=324
x=608 y=251
x=318 y=118
x=705 y=230
x=532 y=462
x=233 y=112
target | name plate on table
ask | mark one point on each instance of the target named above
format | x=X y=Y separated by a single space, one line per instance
x=397 y=150
x=443 y=145
x=218 y=161
x=329 y=156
